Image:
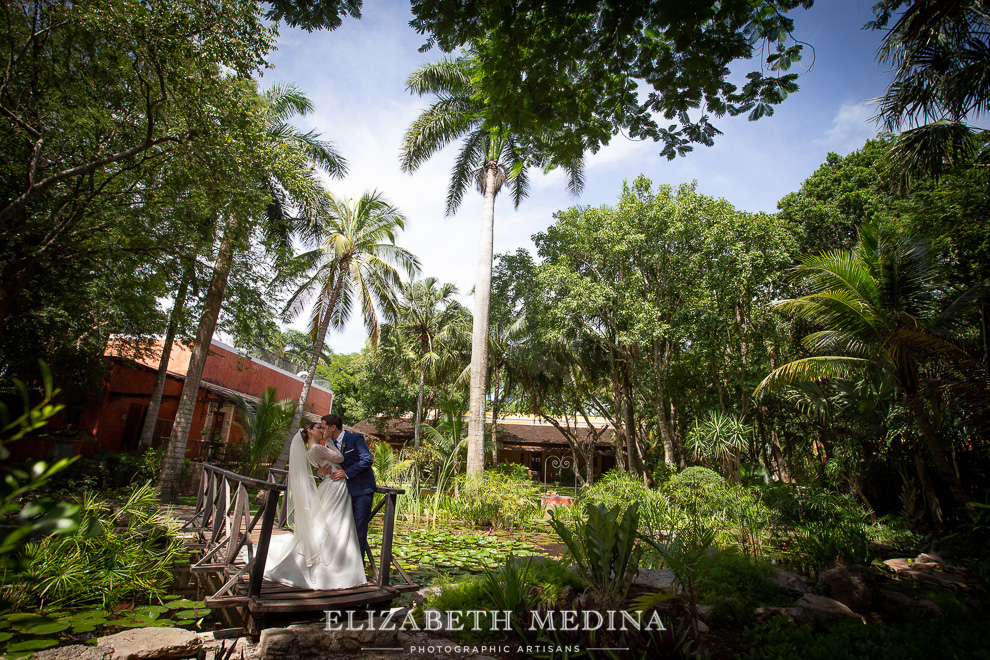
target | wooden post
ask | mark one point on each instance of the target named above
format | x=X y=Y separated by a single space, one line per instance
x=208 y=506
x=258 y=570
x=385 y=558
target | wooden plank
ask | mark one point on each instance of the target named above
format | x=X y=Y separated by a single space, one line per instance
x=265 y=606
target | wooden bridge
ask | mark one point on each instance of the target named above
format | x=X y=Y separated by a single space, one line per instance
x=222 y=525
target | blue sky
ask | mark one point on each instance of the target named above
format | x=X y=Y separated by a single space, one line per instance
x=355 y=77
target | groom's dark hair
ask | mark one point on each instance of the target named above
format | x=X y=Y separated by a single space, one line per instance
x=333 y=420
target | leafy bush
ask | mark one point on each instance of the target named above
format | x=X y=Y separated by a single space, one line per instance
x=119 y=553
x=498 y=500
x=605 y=549
x=948 y=637
x=746 y=583
x=616 y=488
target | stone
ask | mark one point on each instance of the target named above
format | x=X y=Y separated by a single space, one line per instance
x=850 y=585
x=790 y=583
x=660 y=579
x=826 y=611
x=142 y=643
x=313 y=641
x=703 y=627
x=929 y=558
x=902 y=605
x=795 y=615
x=75 y=652
x=898 y=564
x=705 y=613
x=417 y=598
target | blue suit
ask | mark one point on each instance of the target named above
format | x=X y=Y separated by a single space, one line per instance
x=360 y=482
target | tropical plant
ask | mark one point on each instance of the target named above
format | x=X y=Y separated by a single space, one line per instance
x=264 y=424
x=357 y=263
x=720 y=438
x=939 y=57
x=288 y=181
x=877 y=305
x=389 y=468
x=490 y=157
x=604 y=547
x=426 y=336
x=39 y=515
x=119 y=552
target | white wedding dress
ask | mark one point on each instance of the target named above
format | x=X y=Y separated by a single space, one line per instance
x=323 y=551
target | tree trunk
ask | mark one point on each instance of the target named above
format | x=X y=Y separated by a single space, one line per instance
x=419 y=407
x=629 y=423
x=321 y=333
x=151 y=417
x=942 y=464
x=479 y=332
x=661 y=363
x=168 y=484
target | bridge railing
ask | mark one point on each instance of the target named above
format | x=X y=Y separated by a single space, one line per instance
x=223 y=525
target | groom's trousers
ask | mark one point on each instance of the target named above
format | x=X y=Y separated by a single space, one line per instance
x=362 y=516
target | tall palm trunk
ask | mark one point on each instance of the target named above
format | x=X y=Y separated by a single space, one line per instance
x=479 y=333
x=283 y=456
x=168 y=484
x=419 y=407
x=151 y=417
x=942 y=465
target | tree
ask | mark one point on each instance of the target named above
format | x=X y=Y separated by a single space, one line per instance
x=486 y=156
x=264 y=425
x=871 y=302
x=281 y=169
x=585 y=71
x=939 y=51
x=78 y=167
x=428 y=327
x=358 y=262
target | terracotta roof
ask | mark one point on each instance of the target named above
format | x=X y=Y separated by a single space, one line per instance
x=510 y=436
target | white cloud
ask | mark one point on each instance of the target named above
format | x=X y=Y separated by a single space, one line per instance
x=851 y=128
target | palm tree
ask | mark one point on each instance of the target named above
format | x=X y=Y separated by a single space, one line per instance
x=490 y=157
x=264 y=425
x=429 y=325
x=873 y=301
x=358 y=260
x=294 y=185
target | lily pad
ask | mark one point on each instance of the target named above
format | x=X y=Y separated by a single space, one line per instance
x=193 y=614
x=185 y=622
x=4 y=636
x=47 y=628
x=79 y=628
x=184 y=603
x=32 y=645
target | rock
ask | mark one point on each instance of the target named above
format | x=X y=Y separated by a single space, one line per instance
x=795 y=615
x=826 y=610
x=703 y=627
x=660 y=579
x=901 y=605
x=898 y=564
x=419 y=597
x=141 y=643
x=881 y=550
x=850 y=585
x=791 y=583
x=705 y=613
x=314 y=641
x=929 y=558
x=75 y=652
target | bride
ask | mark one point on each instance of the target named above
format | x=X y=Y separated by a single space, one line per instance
x=322 y=552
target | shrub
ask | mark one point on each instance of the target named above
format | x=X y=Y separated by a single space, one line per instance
x=616 y=488
x=117 y=554
x=497 y=500
x=748 y=584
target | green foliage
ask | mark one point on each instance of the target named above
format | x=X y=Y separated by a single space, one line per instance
x=944 y=638
x=120 y=553
x=604 y=547
x=749 y=584
x=496 y=500
x=678 y=57
x=508 y=587
x=265 y=426
x=617 y=488
x=41 y=515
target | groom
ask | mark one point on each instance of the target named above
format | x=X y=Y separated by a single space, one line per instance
x=356 y=469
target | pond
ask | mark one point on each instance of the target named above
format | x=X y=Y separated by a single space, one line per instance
x=425 y=552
